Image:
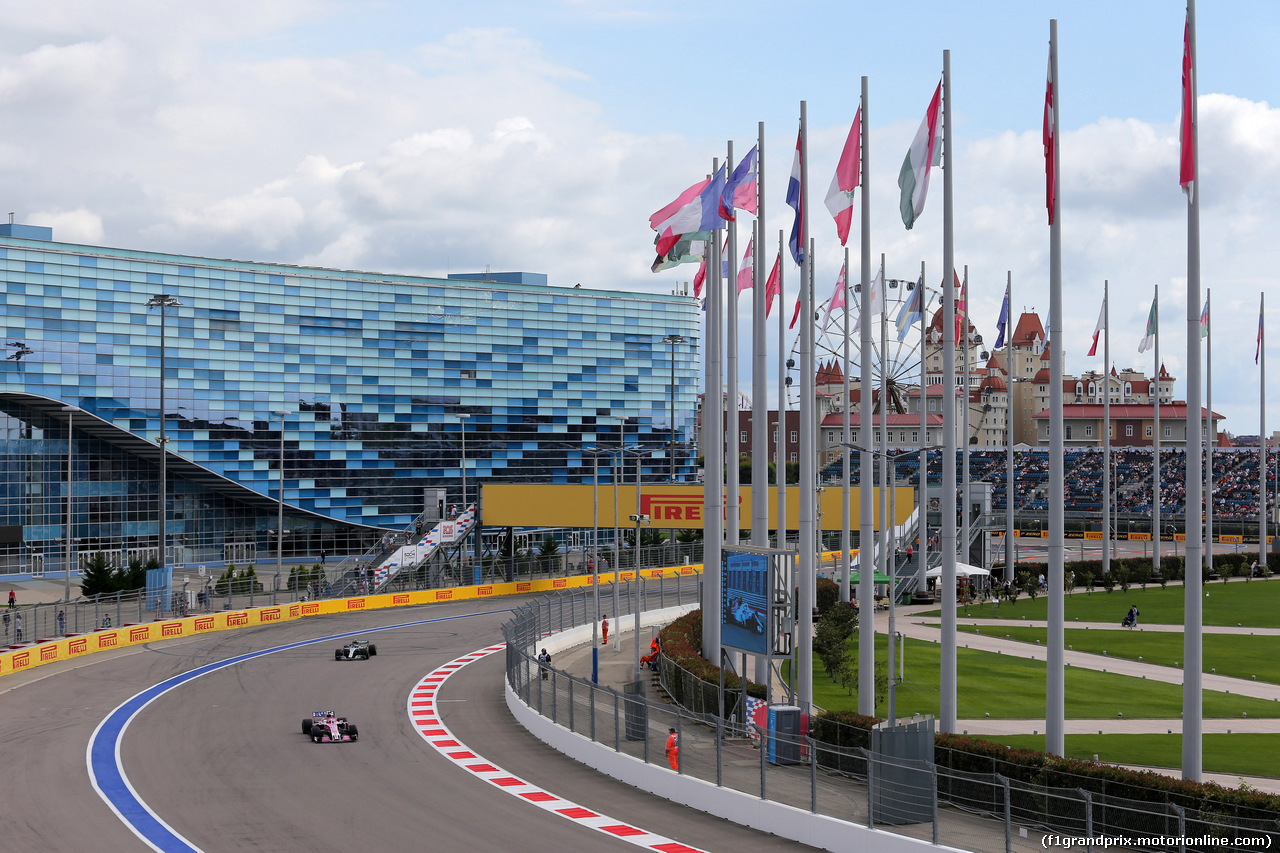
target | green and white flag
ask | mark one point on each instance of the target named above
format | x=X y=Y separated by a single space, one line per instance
x=1153 y=320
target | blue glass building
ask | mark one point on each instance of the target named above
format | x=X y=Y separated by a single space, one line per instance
x=370 y=370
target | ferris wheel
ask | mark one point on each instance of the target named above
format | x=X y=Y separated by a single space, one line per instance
x=897 y=362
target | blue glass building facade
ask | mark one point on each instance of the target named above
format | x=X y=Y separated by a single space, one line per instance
x=370 y=370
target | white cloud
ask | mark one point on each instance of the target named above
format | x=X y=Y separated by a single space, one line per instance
x=71 y=226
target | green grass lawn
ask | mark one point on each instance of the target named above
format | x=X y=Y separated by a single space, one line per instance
x=1246 y=754
x=1009 y=687
x=1227 y=654
x=1255 y=603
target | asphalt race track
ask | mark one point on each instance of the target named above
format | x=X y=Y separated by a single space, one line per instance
x=222 y=759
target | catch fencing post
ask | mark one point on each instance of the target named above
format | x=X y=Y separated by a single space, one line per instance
x=1008 y=815
x=1088 y=818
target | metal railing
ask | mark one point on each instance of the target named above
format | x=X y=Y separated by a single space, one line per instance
x=984 y=812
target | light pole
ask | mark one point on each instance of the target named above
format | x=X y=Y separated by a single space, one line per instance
x=280 y=503
x=71 y=413
x=673 y=339
x=462 y=424
x=163 y=301
x=639 y=520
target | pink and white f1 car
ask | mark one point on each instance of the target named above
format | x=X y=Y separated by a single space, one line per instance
x=325 y=727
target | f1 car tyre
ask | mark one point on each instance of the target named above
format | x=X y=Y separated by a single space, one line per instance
x=337 y=654
x=373 y=650
x=306 y=727
x=351 y=730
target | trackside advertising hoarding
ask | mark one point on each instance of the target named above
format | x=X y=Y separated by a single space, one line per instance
x=46 y=651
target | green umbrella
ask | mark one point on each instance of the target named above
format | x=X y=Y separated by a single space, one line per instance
x=879 y=578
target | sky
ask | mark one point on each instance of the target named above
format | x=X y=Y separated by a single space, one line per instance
x=429 y=137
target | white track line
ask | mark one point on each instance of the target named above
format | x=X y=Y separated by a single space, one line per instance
x=422 y=713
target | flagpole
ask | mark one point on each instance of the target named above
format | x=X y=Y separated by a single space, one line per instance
x=922 y=499
x=846 y=510
x=1010 y=552
x=713 y=435
x=759 y=378
x=1211 y=433
x=866 y=533
x=947 y=681
x=965 y=541
x=1262 y=433
x=1155 y=452
x=733 y=444
x=1193 y=650
x=780 y=441
x=883 y=494
x=1055 y=690
x=808 y=433
x=1106 y=427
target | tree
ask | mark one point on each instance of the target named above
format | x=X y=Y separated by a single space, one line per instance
x=97 y=576
x=831 y=639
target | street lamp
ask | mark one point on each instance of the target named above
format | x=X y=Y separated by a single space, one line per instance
x=71 y=412
x=462 y=424
x=639 y=520
x=280 y=503
x=163 y=301
x=673 y=339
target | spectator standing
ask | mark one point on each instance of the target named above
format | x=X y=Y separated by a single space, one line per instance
x=17 y=627
x=544 y=661
x=13 y=599
x=62 y=623
x=322 y=556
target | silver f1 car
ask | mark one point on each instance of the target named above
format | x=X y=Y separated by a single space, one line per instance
x=362 y=649
x=325 y=727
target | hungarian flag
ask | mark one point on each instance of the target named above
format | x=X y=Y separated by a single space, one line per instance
x=1153 y=322
x=740 y=190
x=773 y=287
x=794 y=186
x=1187 y=172
x=1050 y=131
x=747 y=273
x=840 y=194
x=1097 y=330
x=1003 y=323
x=913 y=178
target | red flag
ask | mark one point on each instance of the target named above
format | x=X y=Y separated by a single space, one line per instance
x=796 y=315
x=1187 y=172
x=700 y=277
x=772 y=287
x=961 y=321
x=1050 y=130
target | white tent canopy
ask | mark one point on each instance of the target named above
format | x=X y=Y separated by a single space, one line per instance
x=963 y=570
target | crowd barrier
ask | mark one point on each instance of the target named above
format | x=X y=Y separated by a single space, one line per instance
x=23 y=656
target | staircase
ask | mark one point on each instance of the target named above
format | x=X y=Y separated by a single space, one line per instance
x=416 y=552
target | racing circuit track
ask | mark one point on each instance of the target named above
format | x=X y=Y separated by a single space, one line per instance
x=221 y=759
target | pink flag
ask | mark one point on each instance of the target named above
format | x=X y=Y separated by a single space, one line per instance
x=837 y=298
x=1257 y=353
x=1187 y=172
x=1097 y=330
x=840 y=194
x=772 y=287
x=700 y=277
x=1050 y=131
x=796 y=315
x=748 y=271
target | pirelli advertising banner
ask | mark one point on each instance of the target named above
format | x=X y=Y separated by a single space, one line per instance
x=668 y=507
x=19 y=658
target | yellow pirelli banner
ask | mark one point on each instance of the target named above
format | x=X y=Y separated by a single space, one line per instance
x=65 y=648
x=668 y=507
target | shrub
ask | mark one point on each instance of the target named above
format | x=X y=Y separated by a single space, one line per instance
x=826 y=594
